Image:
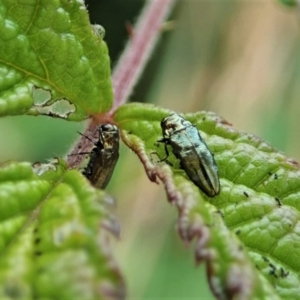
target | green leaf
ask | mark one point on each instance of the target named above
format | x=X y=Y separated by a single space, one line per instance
x=51 y=60
x=249 y=234
x=53 y=237
x=291 y=3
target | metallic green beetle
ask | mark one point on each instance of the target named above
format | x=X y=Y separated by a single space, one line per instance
x=195 y=157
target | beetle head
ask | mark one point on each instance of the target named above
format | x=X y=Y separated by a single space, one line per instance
x=109 y=135
x=173 y=123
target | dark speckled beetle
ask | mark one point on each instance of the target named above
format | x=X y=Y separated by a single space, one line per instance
x=195 y=158
x=103 y=157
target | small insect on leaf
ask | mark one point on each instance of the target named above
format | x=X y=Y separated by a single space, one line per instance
x=103 y=157
x=191 y=150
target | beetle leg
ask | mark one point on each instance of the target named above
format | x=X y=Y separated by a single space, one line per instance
x=167 y=153
x=86 y=137
x=160 y=160
x=165 y=141
x=151 y=157
x=101 y=140
x=168 y=162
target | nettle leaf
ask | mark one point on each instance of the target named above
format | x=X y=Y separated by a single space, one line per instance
x=249 y=235
x=53 y=235
x=51 y=60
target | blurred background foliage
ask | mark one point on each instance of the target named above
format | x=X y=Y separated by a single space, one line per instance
x=237 y=58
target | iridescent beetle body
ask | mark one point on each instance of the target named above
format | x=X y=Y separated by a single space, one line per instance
x=189 y=147
x=103 y=157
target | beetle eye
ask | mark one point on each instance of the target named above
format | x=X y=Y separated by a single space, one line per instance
x=172 y=126
x=106 y=127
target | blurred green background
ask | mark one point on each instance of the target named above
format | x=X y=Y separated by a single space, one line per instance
x=237 y=58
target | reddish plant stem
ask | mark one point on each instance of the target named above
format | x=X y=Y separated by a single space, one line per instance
x=138 y=49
